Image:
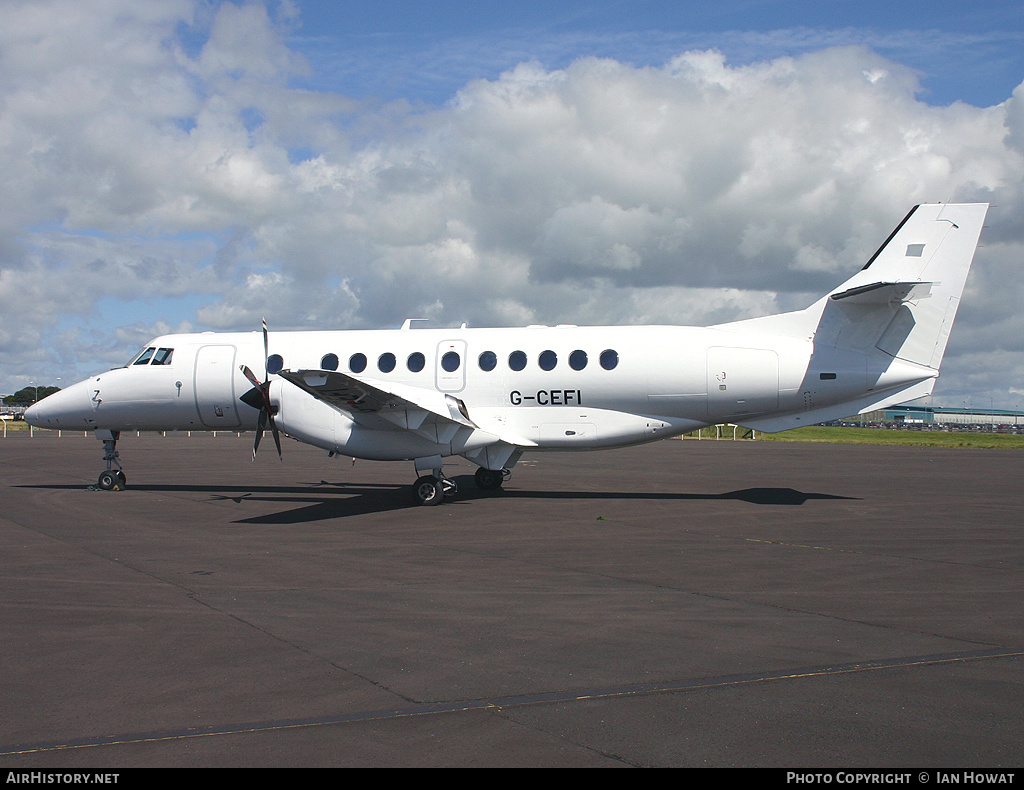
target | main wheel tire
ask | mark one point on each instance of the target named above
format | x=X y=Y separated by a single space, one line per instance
x=488 y=479
x=428 y=490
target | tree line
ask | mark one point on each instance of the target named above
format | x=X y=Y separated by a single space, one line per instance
x=29 y=395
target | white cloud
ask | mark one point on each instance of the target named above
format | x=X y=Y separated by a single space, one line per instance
x=142 y=167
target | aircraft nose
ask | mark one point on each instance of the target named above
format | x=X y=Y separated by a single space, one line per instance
x=36 y=413
x=69 y=408
x=32 y=414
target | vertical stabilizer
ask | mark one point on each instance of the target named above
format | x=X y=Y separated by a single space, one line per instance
x=904 y=300
x=884 y=331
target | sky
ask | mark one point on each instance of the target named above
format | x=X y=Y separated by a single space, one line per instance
x=190 y=165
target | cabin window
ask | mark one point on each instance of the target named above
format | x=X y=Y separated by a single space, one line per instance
x=357 y=363
x=488 y=360
x=578 y=360
x=386 y=362
x=517 y=360
x=329 y=362
x=145 y=356
x=547 y=360
x=275 y=363
x=416 y=361
x=451 y=361
x=826 y=376
x=609 y=359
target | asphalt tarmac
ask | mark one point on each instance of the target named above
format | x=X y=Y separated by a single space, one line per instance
x=686 y=603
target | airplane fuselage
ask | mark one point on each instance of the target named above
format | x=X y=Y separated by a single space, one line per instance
x=558 y=387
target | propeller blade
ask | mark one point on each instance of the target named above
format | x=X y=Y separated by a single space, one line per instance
x=251 y=376
x=259 y=432
x=266 y=350
x=259 y=398
x=277 y=437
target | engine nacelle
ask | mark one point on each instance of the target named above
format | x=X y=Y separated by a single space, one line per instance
x=316 y=422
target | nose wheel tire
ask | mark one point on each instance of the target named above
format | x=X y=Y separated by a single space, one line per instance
x=111 y=481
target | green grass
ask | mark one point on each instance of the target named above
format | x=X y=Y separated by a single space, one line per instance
x=824 y=434
x=828 y=435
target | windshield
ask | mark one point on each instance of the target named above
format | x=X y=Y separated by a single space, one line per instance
x=144 y=357
x=152 y=356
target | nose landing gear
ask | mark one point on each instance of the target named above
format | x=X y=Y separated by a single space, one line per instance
x=113 y=478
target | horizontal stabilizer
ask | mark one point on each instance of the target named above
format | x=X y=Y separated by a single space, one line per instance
x=885 y=293
x=934 y=244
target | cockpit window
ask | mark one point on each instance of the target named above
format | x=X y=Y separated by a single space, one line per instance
x=145 y=356
x=162 y=356
x=153 y=356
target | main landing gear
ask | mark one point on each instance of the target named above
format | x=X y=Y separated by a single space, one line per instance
x=113 y=479
x=434 y=487
x=431 y=489
x=491 y=479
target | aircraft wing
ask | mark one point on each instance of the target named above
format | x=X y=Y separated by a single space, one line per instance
x=437 y=416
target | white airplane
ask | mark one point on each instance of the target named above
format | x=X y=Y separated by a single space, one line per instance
x=490 y=395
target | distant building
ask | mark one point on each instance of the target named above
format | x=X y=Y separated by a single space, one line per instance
x=943 y=416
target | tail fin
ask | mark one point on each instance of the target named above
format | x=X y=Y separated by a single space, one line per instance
x=884 y=331
x=904 y=300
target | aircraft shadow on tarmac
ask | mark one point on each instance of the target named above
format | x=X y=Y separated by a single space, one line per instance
x=325 y=500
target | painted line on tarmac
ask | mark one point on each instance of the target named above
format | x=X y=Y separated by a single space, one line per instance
x=516 y=701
